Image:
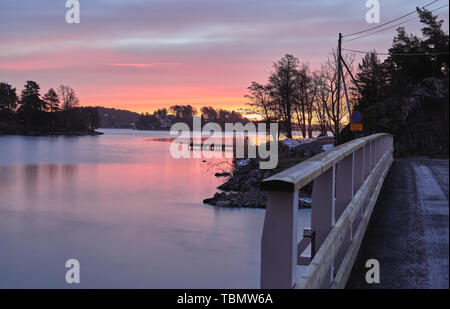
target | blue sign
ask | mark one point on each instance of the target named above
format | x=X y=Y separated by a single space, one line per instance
x=357 y=117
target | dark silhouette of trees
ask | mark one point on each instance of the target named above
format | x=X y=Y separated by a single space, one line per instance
x=68 y=97
x=306 y=93
x=428 y=59
x=372 y=78
x=159 y=120
x=209 y=114
x=91 y=117
x=51 y=99
x=162 y=120
x=337 y=111
x=116 y=118
x=38 y=115
x=295 y=92
x=31 y=105
x=412 y=59
x=183 y=113
x=8 y=97
x=261 y=101
x=31 y=97
x=8 y=101
x=435 y=40
x=282 y=87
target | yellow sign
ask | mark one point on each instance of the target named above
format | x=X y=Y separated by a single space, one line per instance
x=356 y=126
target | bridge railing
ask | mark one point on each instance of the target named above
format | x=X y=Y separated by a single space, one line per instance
x=346 y=182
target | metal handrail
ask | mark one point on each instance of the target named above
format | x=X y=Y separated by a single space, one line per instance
x=296 y=177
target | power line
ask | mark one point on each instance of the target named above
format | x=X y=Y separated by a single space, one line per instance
x=393 y=26
x=389 y=22
x=388 y=54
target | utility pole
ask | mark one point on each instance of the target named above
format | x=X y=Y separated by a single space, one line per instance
x=338 y=98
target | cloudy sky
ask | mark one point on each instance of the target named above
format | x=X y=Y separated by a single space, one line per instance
x=140 y=55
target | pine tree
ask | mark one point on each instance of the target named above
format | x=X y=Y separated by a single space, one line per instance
x=372 y=80
x=52 y=100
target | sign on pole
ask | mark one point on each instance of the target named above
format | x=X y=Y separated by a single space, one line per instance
x=356 y=122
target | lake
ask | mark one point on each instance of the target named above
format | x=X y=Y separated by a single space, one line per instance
x=130 y=213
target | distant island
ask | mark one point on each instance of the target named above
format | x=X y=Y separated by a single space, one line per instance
x=58 y=113
x=55 y=113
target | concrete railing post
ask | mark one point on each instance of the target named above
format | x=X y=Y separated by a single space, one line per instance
x=367 y=160
x=373 y=156
x=323 y=207
x=279 y=241
x=350 y=174
x=358 y=171
x=344 y=195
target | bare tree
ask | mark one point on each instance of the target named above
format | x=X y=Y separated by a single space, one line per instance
x=336 y=110
x=306 y=88
x=260 y=101
x=314 y=97
x=321 y=106
x=68 y=97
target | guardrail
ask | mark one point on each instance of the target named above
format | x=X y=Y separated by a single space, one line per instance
x=347 y=181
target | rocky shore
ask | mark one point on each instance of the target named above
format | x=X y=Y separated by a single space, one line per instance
x=4 y=131
x=242 y=187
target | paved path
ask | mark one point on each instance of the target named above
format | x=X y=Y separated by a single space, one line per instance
x=409 y=228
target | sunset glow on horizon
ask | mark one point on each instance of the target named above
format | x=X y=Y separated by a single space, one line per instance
x=143 y=55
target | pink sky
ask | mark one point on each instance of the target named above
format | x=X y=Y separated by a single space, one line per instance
x=141 y=55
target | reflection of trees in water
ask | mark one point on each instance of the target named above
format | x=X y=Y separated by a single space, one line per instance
x=45 y=175
x=69 y=171
x=31 y=172
x=221 y=167
x=34 y=173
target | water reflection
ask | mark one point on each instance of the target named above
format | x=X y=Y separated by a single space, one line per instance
x=126 y=209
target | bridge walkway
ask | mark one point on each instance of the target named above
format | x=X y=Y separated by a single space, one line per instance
x=408 y=232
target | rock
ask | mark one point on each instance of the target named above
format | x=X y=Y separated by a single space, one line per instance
x=249 y=184
x=256 y=174
x=267 y=174
x=210 y=201
x=242 y=188
x=224 y=203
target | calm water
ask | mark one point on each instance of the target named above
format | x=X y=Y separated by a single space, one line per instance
x=130 y=213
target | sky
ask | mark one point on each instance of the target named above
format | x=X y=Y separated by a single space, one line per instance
x=142 y=55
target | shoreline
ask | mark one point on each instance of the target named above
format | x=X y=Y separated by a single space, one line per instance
x=241 y=188
x=75 y=133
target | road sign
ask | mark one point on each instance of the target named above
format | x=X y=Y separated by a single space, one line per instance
x=356 y=127
x=357 y=117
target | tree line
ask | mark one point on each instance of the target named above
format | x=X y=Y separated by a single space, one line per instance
x=379 y=80
x=163 y=118
x=57 y=111
x=295 y=95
